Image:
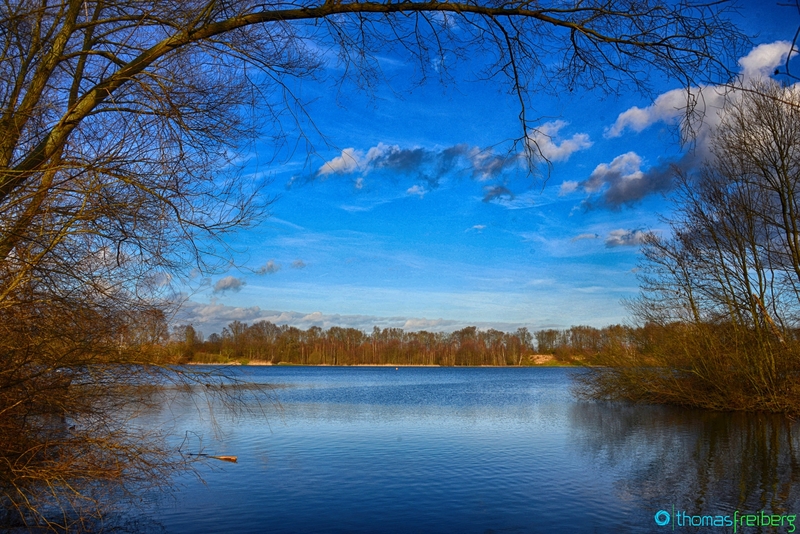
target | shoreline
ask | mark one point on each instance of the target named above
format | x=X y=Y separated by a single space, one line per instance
x=263 y=363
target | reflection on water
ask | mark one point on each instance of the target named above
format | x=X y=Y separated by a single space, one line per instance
x=467 y=450
x=705 y=463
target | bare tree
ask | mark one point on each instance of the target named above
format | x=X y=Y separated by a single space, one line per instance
x=120 y=121
x=726 y=283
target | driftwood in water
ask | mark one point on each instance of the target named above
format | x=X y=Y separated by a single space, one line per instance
x=226 y=458
x=223 y=457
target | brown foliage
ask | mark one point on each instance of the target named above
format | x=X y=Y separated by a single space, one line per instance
x=64 y=443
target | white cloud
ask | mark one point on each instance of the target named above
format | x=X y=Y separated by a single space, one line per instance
x=424 y=163
x=202 y=314
x=623 y=183
x=352 y=160
x=671 y=106
x=477 y=227
x=426 y=324
x=624 y=167
x=552 y=146
x=416 y=190
x=269 y=268
x=298 y=264
x=229 y=283
x=346 y=163
x=313 y=317
x=381 y=151
x=567 y=187
x=762 y=60
x=668 y=107
x=625 y=238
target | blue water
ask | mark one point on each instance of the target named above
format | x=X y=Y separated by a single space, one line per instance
x=360 y=449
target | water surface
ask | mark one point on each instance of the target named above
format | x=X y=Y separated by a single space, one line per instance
x=374 y=449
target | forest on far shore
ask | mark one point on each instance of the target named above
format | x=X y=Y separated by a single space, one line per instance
x=265 y=341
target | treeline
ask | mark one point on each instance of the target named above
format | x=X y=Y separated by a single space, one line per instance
x=349 y=346
x=266 y=341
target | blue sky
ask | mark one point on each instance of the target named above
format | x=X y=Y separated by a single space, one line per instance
x=412 y=213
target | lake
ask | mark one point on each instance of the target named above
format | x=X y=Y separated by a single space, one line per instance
x=375 y=449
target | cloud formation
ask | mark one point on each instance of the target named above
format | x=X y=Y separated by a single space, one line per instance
x=228 y=283
x=427 y=165
x=623 y=181
x=668 y=107
x=213 y=316
x=430 y=164
x=552 y=146
x=567 y=187
x=671 y=106
x=624 y=167
x=269 y=268
x=346 y=163
x=762 y=60
x=625 y=238
x=416 y=190
x=298 y=264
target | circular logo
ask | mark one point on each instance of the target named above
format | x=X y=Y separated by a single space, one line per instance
x=662 y=518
